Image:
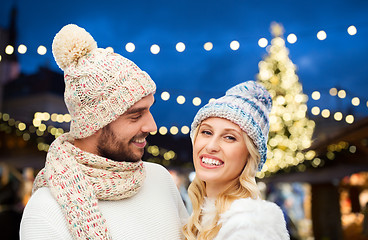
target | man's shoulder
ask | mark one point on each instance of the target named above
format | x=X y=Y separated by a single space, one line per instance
x=42 y=199
x=158 y=175
x=153 y=165
x=42 y=218
x=154 y=168
x=41 y=205
x=42 y=193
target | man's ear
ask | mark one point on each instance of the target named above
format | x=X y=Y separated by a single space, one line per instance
x=98 y=133
x=89 y=144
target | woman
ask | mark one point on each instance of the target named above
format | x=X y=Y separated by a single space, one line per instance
x=229 y=138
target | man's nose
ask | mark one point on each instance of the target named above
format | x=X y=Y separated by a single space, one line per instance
x=149 y=124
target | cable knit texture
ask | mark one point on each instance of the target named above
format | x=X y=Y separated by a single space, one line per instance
x=77 y=179
x=248 y=105
x=99 y=85
x=252 y=220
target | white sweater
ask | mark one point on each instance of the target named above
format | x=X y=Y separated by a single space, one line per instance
x=248 y=219
x=155 y=212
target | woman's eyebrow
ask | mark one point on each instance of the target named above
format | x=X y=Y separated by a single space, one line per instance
x=225 y=129
x=232 y=130
x=205 y=125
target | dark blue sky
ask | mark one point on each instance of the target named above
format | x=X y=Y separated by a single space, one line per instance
x=338 y=61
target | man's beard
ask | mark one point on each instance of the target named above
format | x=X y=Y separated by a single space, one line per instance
x=110 y=147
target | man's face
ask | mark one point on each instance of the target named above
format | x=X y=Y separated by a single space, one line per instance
x=125 y=138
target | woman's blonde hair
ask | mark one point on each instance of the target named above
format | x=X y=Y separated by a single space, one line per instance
x=243 y=186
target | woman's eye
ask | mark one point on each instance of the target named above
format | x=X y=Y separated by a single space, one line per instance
x=230 y=138
x=205 y=132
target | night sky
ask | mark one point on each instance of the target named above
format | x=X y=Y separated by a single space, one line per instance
x=338 y=61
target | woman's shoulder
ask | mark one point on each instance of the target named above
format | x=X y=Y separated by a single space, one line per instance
x=253 y=217
x=257 y=210
x=254 y=206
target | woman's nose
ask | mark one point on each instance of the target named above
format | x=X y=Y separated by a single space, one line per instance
x=213 y=145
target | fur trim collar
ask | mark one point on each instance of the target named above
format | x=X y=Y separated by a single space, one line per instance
x=253 y=219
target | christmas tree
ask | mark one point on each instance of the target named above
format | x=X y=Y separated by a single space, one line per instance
x=290 y=129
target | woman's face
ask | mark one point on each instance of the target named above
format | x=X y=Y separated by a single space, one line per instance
x=219 y=153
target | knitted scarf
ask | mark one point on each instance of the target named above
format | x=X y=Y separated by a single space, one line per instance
x=77 y=179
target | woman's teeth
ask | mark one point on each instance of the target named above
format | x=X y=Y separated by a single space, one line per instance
x=211 y=161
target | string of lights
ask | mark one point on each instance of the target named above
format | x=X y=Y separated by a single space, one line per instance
x=41 y=131
x=39 y=127
x=180 y=46
x=316 y=95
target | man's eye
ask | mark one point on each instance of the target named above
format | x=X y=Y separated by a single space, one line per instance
x=136 y=117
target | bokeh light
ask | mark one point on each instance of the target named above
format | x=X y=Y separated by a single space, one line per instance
x=234 y=45
x=338 y=116
x=352 y=30
x=162 y=130
x=355 y=101
x=185 y=129
x=341 y=94
x=165 y=96
x=9 y=50
x=22 y=49
x=174 y=130
x=155 y=49
x=291 y=38
x=130 y=47
x=41 y=50
x=316 y=95
x=180 y=99
x=180 y=47
x=349 y=119
x=208 y=46
x=197 y=101
x=333 y=91
x=262 y=42
x=321 y=35
x=325 y=113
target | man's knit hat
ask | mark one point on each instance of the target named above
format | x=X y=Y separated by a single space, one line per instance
x=248 y=105
x=99 y=85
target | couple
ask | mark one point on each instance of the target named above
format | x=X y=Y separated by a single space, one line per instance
x=95 y=186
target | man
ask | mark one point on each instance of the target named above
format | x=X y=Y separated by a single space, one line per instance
x=94 y=184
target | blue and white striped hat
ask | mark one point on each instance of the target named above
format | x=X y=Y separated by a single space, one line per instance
x=248 y=105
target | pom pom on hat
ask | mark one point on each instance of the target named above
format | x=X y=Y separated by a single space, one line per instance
x=70 y=44
x=248 y=105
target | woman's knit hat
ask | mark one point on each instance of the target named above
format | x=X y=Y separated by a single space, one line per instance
x=99 y=85
x=248 y=105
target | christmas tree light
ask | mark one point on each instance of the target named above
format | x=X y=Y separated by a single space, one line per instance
x=290 y=130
